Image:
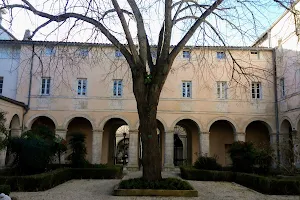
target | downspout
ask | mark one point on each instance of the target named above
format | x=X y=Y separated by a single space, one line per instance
x=276 y=107
x=30 y=85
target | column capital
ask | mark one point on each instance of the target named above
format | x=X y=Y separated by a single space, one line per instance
x=205 y=132
x=97 y=131
x=135 y=131
x=169 y=132
x=60 y=130
x=273 y=134
x=240 y=133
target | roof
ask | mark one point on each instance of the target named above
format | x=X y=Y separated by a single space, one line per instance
x=59 y=43
x=18 y=103
x=266 y=32
x=6 y=31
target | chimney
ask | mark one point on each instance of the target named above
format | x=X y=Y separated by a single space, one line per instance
x=27 y=35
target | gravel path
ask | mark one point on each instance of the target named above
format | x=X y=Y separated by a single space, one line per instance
x=102 y=189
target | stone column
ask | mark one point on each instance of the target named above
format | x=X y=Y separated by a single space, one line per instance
x=16 y=132
x=204 y=143
x=133 y=150
x=169 y=150
x=97 y=146
x=2 y=157
x=240 y=136
x=63 y=134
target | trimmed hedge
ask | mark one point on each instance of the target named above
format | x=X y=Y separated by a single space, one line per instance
x=266 y=185
x=5 y=189
x=206 y=175
x=45 y=181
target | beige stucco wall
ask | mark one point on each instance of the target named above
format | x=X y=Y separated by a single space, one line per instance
x=99 y=105
x=12 y=111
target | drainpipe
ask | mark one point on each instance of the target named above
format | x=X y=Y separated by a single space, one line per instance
x=30 y=84
x=276 y=107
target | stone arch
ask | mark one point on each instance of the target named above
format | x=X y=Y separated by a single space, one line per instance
x=289 y=120
x=33 y=118
x=258 y=132
x=284 y=125
x=71 y=117
x=106 y=119
x=15 y=122
x=197 y=122
x=231 y=122
x=262 y=120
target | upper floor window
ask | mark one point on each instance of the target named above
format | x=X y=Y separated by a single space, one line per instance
x=118 y=88
x=1 y=85
x=256 y=90
x=118 y=53
x=49 y=51
x=221 y=55
x=81 y=86
x=187 y=89
x=186 y=54
x=45 y=89
x=282 y=87
x=254 y=54
x=84 y=52
x=222 y=89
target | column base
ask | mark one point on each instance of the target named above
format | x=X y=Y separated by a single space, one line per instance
x=169 y=168
x=132 y=168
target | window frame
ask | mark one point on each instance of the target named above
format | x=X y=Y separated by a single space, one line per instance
x=253 y=53
x=184 y=89
x=222 y=90
x=117 y=83
x=83 y=52
x=186 y=54
x=1 y=84
x=255 y=84
x=219 y=53
x=53 y=51
x=82 y=80
x=47 y=86
x=119 y=54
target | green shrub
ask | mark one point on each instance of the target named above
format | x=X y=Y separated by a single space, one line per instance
x=208 y=163
x=5 y=189
x=259 y=183
x=206 y=175
x=263 y=160
x=243 y=155
x=166 y=184
x=285 y=187
x=77 y=143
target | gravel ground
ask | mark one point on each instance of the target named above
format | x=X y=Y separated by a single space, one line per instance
x=102 y=189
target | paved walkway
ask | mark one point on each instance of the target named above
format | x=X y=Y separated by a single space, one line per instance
x=102 y=189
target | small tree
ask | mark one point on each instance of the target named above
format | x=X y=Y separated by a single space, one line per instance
x=77 y=143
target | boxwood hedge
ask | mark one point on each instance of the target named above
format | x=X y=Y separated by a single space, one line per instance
x=266 y=185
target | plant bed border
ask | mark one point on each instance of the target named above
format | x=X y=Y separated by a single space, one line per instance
x=262 y=184
x=154 y=192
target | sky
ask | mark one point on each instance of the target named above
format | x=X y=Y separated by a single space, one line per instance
x=250 y=25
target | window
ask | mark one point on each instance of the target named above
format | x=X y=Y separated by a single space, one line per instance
x=256 y=90
x=83 y=52
x=221 y=55
x=49 y=51
x=222 y=90
x=186 y=54
x=45 y=90
x=81 y=87
x=118 y=54
x=282 y=87
x=187 y=89
x=1 y=85
x=254 y=54
x=117 y=88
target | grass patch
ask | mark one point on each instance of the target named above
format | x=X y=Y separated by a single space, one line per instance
x=5 y=189
x=164 y=184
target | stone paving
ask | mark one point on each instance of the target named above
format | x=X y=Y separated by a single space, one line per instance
x=102 y=189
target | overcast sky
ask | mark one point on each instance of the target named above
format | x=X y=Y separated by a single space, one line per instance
x=22 y=20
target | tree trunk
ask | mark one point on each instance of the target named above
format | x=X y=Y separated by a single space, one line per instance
x=147 y=98
x=151 y=149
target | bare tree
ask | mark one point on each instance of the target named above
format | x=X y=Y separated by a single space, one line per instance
x=194 y=18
